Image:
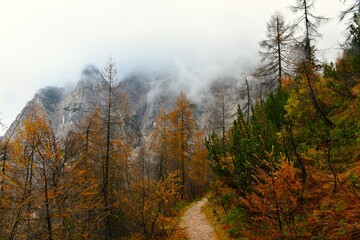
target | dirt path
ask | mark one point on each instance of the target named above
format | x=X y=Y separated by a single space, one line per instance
x=195 y=223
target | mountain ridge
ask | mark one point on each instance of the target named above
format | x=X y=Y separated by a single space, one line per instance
x=64 y=109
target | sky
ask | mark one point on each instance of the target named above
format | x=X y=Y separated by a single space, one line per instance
x=49 y=42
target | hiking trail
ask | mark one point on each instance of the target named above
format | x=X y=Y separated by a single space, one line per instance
x=195 y=223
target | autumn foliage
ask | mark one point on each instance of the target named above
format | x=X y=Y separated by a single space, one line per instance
x=100 y=182
x=288 y=167
x=272 y=207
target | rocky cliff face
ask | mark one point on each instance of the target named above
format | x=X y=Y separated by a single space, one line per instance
x=74 y=105
x=64 y=109
x=146 y=96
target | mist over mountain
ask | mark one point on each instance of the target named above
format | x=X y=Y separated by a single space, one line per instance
x=66 y=107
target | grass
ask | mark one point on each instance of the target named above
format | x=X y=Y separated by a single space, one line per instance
x=215 y=216
x=180 y=233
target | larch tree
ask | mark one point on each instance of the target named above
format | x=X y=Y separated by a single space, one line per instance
x=308 y=64
x=275 y=56
x=160 y=146
x=37 y=177
x=200 y=171
x=25 y=153
x=51 y=167
x=4 y=144
x=181 y=135
x=6 y=156
x=109 y=77
x=221 y=111
x=245 y=94
x=112 y=116
x=83 y=212
x=309 y=23
x=272 y=206
x=107 y=146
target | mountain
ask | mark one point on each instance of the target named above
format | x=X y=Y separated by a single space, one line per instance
x=65 y=109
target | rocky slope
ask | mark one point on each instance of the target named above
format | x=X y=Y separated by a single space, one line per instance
x=64 y=108
x=146 y=96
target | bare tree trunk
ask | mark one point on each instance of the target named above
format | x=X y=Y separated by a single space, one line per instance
x=25 y=196
x=106 y=168
x=47 y=204
x=248 y=100
x=3 y=169
x=279 y=50
x=316 y=104
x=331 y=165
x=223 y=116
x=182 y=153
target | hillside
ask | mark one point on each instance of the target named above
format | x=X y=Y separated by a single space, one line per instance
x=276 y=151
x=146 y=95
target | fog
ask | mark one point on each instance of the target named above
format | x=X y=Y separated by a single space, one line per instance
x=46 y=43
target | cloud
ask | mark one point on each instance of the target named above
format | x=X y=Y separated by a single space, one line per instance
x=49 y=42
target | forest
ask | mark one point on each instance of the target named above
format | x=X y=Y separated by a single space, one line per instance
x=285 y=166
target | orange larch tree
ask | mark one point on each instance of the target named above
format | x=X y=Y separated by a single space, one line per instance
x=181 y=137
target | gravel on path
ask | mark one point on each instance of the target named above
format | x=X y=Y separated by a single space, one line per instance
x=197 y=228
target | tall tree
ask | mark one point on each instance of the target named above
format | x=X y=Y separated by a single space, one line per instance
x=310 y=24
x=276 y=58
x=109 y=77
x=307 y=65
x=221 y=110
x=106 y=142
x=182 y=133
x=246 y=95
x=37 y=176
x=4 y=144
x=160 y=146
x=199 y=172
